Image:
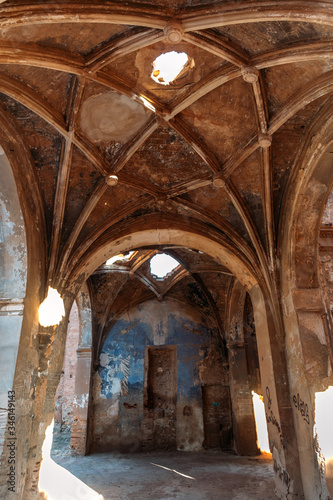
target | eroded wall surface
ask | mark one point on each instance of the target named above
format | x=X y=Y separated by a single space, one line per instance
x=66 y=388
x=122 y=389
x=13 y=275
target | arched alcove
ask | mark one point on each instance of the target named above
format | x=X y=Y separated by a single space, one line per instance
x=162 y=382
x=271 y=357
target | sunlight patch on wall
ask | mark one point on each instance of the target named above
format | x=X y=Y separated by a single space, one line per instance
x=324 y=412
x=261 y=424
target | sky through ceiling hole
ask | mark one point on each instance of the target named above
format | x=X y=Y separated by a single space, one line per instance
x=162 y=265
x=170 y=66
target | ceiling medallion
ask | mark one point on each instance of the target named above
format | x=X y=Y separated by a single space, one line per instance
x=265 y=140
x=174 y=32
x=250 y=75
x=111 y=180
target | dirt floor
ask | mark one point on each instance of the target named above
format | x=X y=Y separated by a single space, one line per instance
x=157 y=475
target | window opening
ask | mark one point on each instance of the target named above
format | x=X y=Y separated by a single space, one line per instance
x=162 y=266
x=170 y=66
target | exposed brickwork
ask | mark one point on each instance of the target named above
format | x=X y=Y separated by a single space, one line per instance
x=65 y=391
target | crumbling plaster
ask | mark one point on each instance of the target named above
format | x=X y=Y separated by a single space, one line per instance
x=234 y=162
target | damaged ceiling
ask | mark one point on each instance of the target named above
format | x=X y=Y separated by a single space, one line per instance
x=213 y=151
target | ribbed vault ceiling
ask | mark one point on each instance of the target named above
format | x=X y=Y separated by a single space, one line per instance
x=214 y=149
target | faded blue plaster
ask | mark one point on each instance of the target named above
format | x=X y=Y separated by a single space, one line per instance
x=122 y=341
x=129 y=339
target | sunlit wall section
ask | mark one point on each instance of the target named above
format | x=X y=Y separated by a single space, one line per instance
x=323 y=428
x=261 y=423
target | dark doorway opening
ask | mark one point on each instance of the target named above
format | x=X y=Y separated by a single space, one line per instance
x=160 y=397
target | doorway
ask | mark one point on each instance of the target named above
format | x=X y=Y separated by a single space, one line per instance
x=160 y=397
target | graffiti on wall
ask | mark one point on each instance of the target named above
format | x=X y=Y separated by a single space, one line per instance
x=270 y=417
x=302 y=407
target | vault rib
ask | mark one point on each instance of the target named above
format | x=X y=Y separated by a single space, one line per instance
x=120 y=214
x=185 y=186
x=67 y=62
x=74 y=101
x=229 y=187
x=73 y=104
x=214 y=44
x=267 y=195
x=124 y=44
x=313 y=90
x=260 y=100
x=139 y=261
x=216 y=78
x=294 y=54
x=32 y=100
x=217 y=221
x=245 y=215
x=83 y=217
x=31 y=54
x=229 y=13
x=197 y=144
x=130 y=148
x=183 y=273
x=141 y=184
x=59 y=205
x=148 y=283
x=195 y=18
x=93 y=12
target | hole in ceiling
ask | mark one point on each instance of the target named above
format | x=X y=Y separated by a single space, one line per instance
x=162 y=265
x=171 y=66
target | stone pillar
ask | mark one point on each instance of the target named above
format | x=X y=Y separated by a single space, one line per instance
x=308 y=366
x=244 y=427
x=81 y=400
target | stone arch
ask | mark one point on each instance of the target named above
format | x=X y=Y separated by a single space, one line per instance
x=307 y=342
x=271 y=355
x=155 y=233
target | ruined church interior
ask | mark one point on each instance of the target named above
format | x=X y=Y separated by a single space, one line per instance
x=166 y=244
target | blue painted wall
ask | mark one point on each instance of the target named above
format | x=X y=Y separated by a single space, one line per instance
x=121 y=369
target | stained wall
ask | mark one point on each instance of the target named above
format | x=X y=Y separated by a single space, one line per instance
x=121 y=383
